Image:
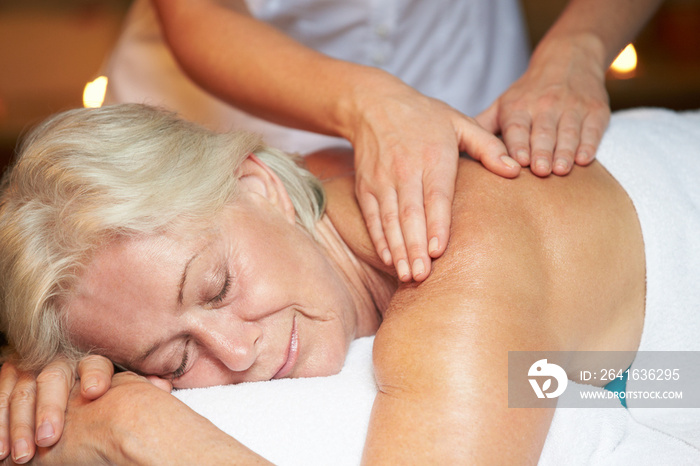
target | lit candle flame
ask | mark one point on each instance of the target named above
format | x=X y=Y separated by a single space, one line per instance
x=626 y=61
x=94 y=93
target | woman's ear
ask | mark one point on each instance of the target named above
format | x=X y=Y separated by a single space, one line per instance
x=255 y=177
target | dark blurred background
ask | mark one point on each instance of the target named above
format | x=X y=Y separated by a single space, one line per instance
x=50 y=49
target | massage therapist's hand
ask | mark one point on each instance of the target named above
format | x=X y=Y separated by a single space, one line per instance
x=32 y=409
x=556 y=113
x=406 y=150
x=406 y=145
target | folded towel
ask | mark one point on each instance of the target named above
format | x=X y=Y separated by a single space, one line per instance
x=313 y=421
x=323 y=420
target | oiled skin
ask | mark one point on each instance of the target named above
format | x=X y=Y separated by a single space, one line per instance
x=552 y=264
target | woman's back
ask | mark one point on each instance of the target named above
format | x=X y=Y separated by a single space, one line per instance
x=572 y=244
x=553 y=264
x=569 y=246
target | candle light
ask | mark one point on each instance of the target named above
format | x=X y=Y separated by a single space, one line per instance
x=94 y=93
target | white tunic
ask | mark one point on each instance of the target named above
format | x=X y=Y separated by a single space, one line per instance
x=464 y=52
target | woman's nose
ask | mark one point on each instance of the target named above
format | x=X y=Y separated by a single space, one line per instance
x=235 y=343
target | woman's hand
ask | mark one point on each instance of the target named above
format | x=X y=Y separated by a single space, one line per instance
x=92 y=429
x=32 y=408
x=556 y=113
x=96 y=430
x=406 y=150
x=136 y=422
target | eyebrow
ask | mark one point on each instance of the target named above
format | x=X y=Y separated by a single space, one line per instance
x=180 y=296
x=152 y=349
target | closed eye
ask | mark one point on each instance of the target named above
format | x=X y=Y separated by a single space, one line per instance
x=180 y=371
x=224 y=291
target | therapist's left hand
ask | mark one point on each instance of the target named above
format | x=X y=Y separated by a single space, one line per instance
x=555 y=115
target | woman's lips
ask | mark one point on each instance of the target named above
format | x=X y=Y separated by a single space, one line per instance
x=292 y=353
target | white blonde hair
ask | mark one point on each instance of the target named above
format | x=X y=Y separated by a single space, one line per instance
x=88 y=176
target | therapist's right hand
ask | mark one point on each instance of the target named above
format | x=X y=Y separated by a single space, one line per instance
x=406 y=150
x=33 y=408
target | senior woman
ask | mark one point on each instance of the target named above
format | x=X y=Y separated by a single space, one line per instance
x=208 y=259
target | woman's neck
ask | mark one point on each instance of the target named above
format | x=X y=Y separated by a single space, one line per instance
x=370 y=288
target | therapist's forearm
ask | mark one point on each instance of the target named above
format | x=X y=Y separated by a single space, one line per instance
x=602 y=27
x=262 y=71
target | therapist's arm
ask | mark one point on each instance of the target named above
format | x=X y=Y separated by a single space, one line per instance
x=406 y=144
x=555 y=115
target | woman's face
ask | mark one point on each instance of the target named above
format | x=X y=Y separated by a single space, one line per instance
x=253 y=298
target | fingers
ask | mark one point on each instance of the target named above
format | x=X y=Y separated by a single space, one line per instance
x=32 y=410
x=163 y=384
x=412 y=260
x=95 y=374
x=592 y=131
x=554 y=142
x=409 y=223
x=542 y=143
x=53 y=387
x=553 y=117
x=128 y=377
x=408 y=212
x=487 y=148
x=516 y=136
x=26 y=403
x=567 y=142
x=8 y=380
x=370 y=211
x=488 y=119
x=22 y=411
x=438 y=194
x=388 y=237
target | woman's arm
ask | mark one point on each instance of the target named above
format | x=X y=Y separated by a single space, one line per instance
x=138 y=423
x=441 y=363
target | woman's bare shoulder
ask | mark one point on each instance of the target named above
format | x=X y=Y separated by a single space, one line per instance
x=546 y=202
x=560 y=250
x=540 y=213
x=567 y=250
x=330 y=163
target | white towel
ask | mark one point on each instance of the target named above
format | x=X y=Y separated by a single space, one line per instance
x=313 y=421
x=655 y=156
x=323 y=420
